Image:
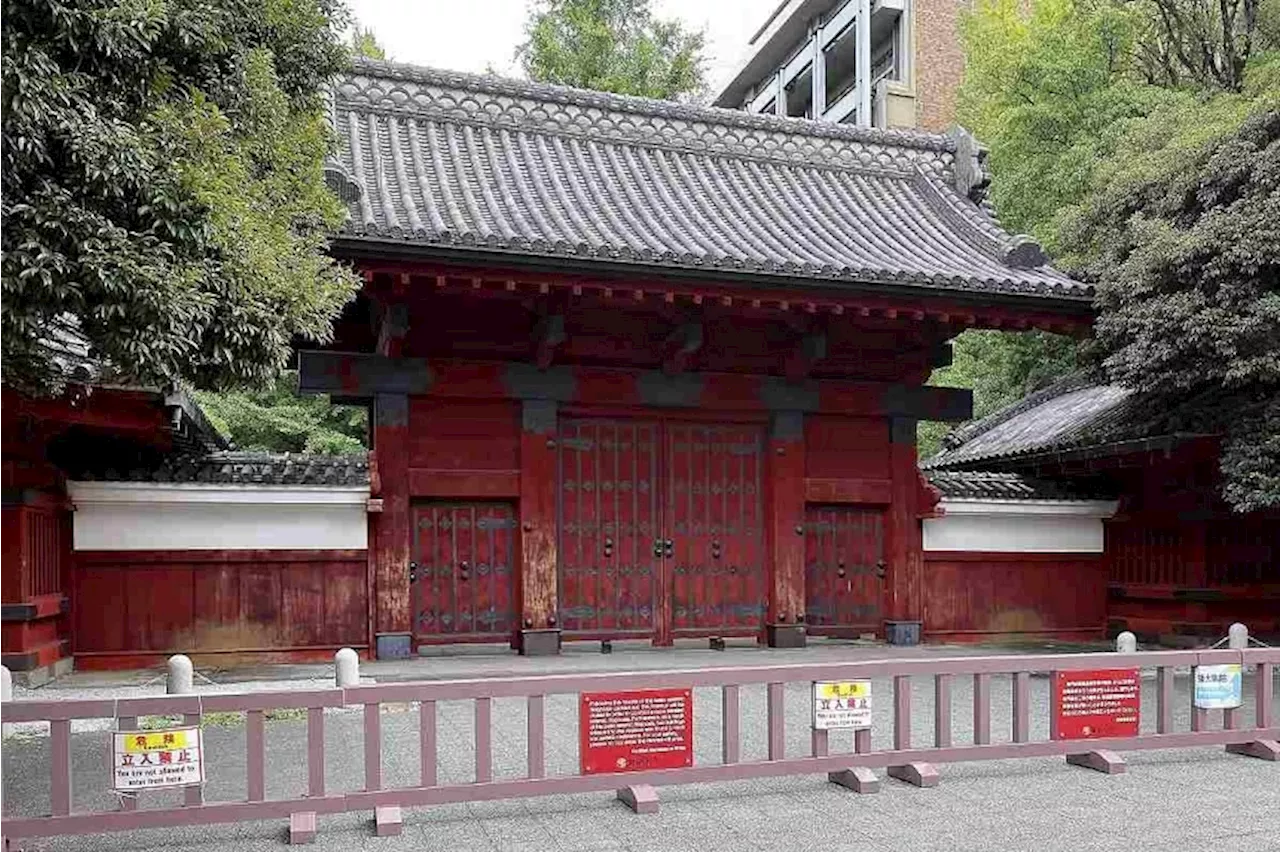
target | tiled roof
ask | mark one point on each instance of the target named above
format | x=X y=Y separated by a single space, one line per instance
x=433 y=160
x=245 y=468
x=1066 y=414
x=975 y=484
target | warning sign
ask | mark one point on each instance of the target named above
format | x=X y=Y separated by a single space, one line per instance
x=1219 y=687
x=144 y=760
x=841 y=704
x=1098 y=703
x=636 y=730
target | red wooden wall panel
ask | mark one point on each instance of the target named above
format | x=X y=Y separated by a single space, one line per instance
x=463 y=434
x=846 y=447
x=464 y=571
x=157 y=602
x=844 y=569
x=980 y=595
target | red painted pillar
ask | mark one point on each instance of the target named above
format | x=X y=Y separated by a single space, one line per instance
x=784 y=622
x=393 y=635
x=904 y=580
x=540 y=630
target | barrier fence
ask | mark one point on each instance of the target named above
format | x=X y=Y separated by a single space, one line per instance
x=1244 y=731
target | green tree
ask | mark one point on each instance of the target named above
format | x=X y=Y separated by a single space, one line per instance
x=277 y=419
x=365 y=44
x=1136 y=140
x=612 y=46
x=164 y=198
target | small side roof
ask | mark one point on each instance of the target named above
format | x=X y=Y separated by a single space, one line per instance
x=1072 y=415
x=446 y=165
x=240 y=468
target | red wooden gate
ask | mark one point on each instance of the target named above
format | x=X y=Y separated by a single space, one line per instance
x=462 y=573
x=844 y=569
x=713 y=514
x=660 y=529
x=608 y=511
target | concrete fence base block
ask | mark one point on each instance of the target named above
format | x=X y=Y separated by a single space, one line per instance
x=1102 y=760
x=387 y=821
x=302 y=828
x=641 y=798
x=859 y=779
x=1261 y=749
x=918 y=774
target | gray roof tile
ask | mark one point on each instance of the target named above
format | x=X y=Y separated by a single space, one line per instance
x=245 y=468
x=440 y=160
x=975 y=484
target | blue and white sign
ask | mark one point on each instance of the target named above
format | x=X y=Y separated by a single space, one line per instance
x=1219 y=687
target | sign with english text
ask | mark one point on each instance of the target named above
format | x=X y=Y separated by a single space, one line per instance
x=841 y=705
x=148 y=760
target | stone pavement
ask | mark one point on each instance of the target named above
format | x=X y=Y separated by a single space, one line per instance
x=1168 y=800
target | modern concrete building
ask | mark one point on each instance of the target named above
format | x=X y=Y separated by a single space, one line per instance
x=875 y=63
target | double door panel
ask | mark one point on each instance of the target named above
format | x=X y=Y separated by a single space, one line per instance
x=461 y=578
x=660 y=528
x=844 y=569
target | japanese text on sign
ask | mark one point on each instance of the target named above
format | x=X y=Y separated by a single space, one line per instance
x=844 y=704
x=1098 y=703
x=1219 y=687
x=631 y=731
x=143 y=760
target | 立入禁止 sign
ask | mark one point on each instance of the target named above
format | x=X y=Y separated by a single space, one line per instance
x=143 y=760
x=841 y=704
x=635 y=730
x=1219 y=687
x=1096 y=703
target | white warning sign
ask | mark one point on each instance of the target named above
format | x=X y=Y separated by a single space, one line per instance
x=145 y=760
x=841 y=704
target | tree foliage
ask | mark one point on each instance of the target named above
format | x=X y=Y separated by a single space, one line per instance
x=612 y=46
x=365 y=44
x=164 y=197
x=1138 y=141
x=277 y=419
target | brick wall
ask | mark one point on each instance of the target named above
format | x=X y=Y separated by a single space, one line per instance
x=939 y=61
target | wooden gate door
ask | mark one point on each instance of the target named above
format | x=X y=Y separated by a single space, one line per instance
x=608 y=526
x=714 y=529
x=462 y=574
x=844 y=570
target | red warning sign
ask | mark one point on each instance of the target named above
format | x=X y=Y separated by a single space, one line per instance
x=1097 y=703
x=634 y=731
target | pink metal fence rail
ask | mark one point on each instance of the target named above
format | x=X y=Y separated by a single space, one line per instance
x=854 y=770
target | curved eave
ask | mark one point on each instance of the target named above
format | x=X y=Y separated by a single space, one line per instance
x=366 y=247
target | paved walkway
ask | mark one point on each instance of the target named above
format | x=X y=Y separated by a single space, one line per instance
x=1170 y=800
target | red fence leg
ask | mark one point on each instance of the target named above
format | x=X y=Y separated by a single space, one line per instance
x=1263 y=698
x=484 y=740
x=372 y=747
x=128 y=723
x=942 y=710
x=919 y=774
x=255 y=743
x=192 y=796
x=981 y=709
x=536 y=737
x=729 y=722
x=60 y=756
x=1021 y=706
x=1164 y=700
x=427 y=743
x=777 y=740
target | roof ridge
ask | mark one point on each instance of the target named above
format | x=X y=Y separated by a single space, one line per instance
x=514 y=87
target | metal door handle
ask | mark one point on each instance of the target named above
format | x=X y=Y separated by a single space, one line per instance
x=464 y=566
x=880 y=568
x=413 y=572
x=670 y=548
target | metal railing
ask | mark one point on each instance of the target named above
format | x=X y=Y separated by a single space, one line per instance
x=1253 y=736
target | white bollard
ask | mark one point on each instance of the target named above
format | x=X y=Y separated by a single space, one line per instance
x=1238 y=637
x=180 y=679
x=6 y=684
x=1127 y=643
x=346 y=668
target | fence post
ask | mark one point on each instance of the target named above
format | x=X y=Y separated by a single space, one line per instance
x=1238 y=640
x=346 y=668
x=180 y=680
x=1104 y=760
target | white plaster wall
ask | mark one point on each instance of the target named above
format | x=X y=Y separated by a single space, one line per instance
x=145 y=516
x=1013 y=526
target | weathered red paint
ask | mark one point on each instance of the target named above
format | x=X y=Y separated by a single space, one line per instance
x=785 y=464
x=844 y=569
x=392 y=526
x=464 y=571
x=464 y=484
x=978 y=596
x=537 y=598
x=131 y=603
x=903 y=545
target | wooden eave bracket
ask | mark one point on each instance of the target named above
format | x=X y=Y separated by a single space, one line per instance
x=549 y=335
x=680 y=346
